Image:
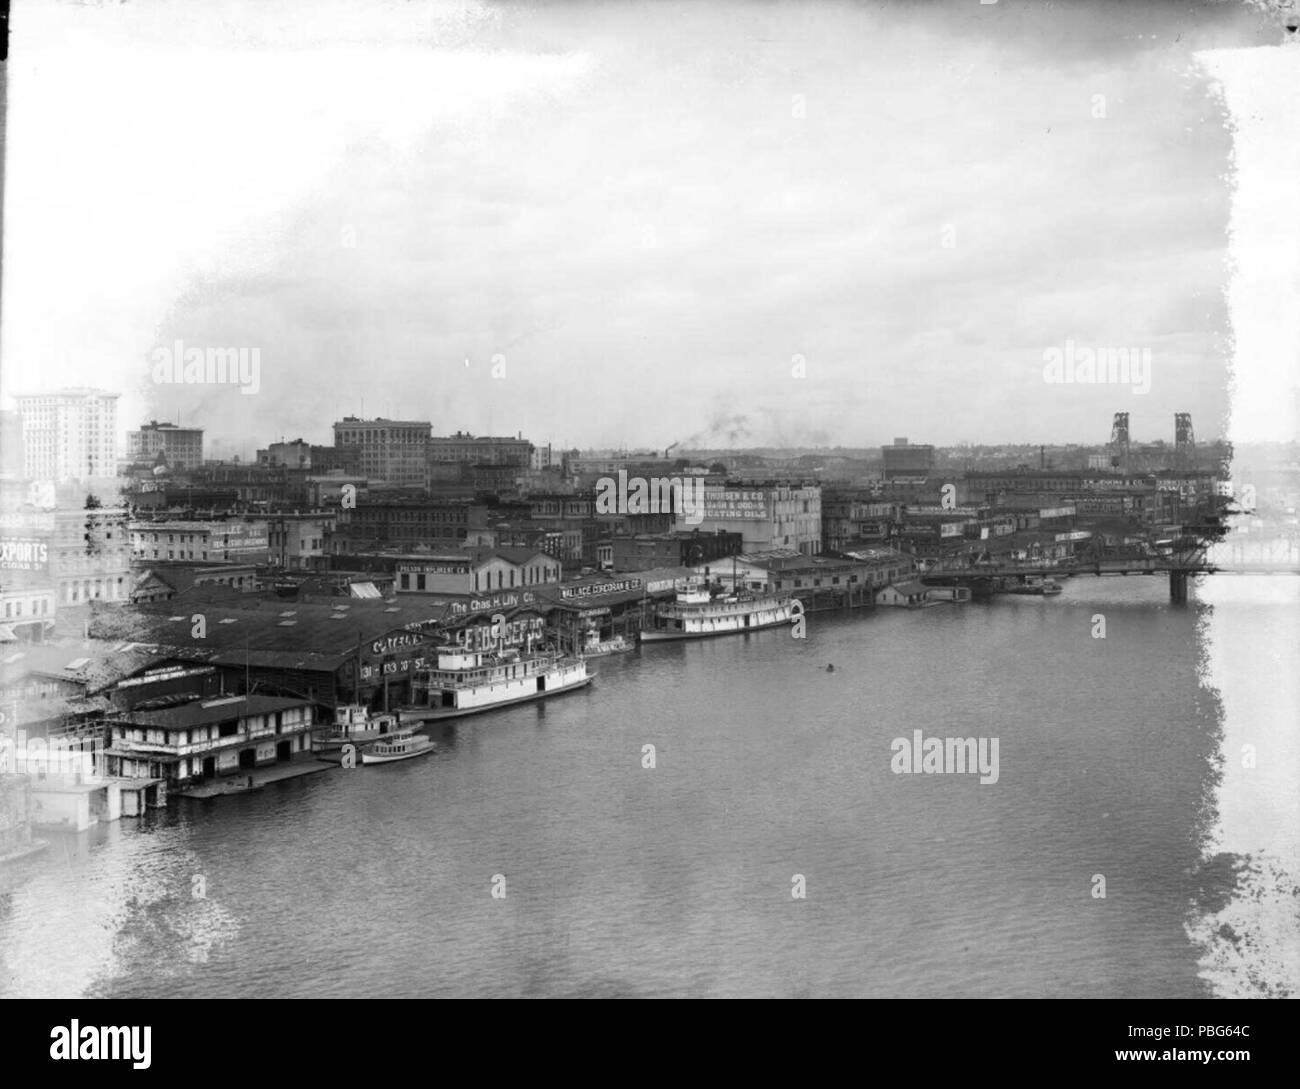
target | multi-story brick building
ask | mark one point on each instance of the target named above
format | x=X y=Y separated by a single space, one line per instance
x=480 y=449
x=768 y=515
x=182 y=447
x=380 y=522
x=394 y=451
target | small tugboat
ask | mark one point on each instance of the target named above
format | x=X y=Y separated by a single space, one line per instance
x=356 y=725
x=399 y=745
x=1041 y=587
x=595 y=647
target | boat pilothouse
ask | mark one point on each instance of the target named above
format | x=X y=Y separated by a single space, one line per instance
x=696 y=613
x=465 y=681
x=357 y=725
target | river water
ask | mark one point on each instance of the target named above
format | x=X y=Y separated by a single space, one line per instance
x=1123 y=769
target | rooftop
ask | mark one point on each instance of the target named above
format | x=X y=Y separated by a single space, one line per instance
x=222 y=709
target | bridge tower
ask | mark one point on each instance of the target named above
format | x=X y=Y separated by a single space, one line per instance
x=1118 y=448
x=1184 y=441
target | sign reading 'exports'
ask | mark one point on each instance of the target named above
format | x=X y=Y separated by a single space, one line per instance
x=23 y=554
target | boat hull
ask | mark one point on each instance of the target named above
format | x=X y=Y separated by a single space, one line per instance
x=361 y=737
x=391 y=758
x=437 y=714
x=651 y=636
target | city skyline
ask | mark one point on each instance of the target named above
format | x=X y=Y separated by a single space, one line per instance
x=788 y=244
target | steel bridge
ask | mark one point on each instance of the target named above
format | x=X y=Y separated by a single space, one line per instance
x=1275 y=555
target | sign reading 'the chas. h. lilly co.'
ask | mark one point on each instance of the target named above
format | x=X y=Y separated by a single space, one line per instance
x=500 y=601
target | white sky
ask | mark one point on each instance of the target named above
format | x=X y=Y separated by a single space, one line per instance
x=621 y=200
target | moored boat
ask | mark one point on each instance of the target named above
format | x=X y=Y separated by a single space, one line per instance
x=597 y=648
x=399 y=745
x=1041 y=587
x=357 y=725
x=466 y=682
x=697 y=614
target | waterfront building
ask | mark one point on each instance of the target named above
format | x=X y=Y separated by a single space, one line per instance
x=599 y=608
x=786 y=570
x=182 y=746
x=182 y=447
x=329 y=649
x=910 y=594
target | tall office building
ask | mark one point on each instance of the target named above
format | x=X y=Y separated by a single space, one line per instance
x=393 y=451
x=69 y=435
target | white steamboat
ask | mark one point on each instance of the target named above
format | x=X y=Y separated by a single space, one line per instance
x=466 y=682
x=696 y=614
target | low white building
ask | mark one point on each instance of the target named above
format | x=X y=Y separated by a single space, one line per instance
x=194 y=742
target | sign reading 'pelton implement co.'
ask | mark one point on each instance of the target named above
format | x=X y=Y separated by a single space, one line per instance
x=449 y=567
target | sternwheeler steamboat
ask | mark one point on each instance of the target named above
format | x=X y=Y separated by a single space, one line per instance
x=696 y=614
x=466 y=682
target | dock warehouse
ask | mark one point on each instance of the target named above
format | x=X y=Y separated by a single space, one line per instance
x=328 y=650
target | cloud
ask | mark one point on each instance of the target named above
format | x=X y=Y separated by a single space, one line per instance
x=630 y=204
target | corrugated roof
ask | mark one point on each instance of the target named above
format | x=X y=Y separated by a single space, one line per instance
x=222 y=709
x=254 y=623
x=96 y=664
